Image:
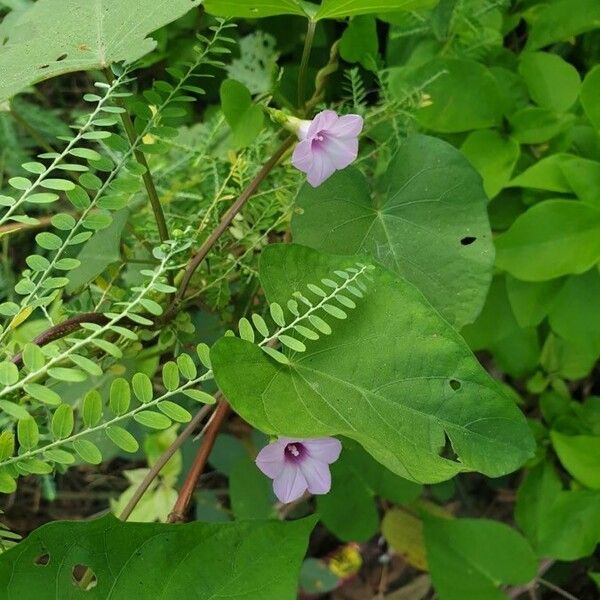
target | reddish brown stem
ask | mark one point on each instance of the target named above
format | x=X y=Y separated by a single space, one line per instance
x=191 y=481
x=62 y=329
x=225 y=222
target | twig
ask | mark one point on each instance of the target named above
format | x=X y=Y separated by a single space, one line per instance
x=62 y=329
x=226 y=220
x=557 y=589
x=159 y=215
x=163 y=460
x=517 y=591
x=191 y=481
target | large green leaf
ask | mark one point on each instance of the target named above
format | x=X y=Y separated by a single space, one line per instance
x=335 y=9
x=427 y=222
x=470 y=558
x=553 y=238
x=254 y=9
x=464 y=94
x=580 y=455
x=52 y=38
x=553 y=83
x=590 y=91
x=394 y=376
x=556 y=21
x=258 y=560
x=560 y=524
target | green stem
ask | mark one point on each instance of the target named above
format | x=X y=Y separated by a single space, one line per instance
x=308 y=42
x=159 y=215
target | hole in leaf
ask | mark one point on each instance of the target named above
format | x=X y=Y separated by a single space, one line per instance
x=455 y=384
x=447 y=451
x=44 y=66
x=42 y=560
x=84 y=577
x=61 y=57
x=468 y=240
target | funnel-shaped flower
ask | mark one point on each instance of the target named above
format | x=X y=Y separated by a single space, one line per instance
x=296 y=465
x=327 y=143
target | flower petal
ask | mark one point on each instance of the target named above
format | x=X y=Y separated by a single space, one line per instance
x=326 y=449
x=341 y=151
x=324 y=120
x=321 y=169
x=271 y=459
x=290 y=484
x=317 y=475
x=302 y=158
x=347 y=126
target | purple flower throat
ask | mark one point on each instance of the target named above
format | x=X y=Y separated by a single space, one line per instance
x=294 y=452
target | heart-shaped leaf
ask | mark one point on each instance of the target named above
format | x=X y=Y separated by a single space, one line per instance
x=52 y=38
x=393 y=376
x=428 y=223
x=262 y=557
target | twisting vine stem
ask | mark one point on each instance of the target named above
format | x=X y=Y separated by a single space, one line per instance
x=308 y=42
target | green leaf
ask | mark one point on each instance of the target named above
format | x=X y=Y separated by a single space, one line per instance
x=103 y=249
x=170 y=375
x=515 y=349
x=253 y=9
x=464 y=94
x=428 y=223
x=494 y=156
x=88 y=451
x=7 y=484
x=9 y=373
x=186 y=366
x=349 y=510
x=552 y=82
x=42 y=394
x=185 y=560
x=335 y=9
x=33 y=357
x=14 y=410
x=580 y=456
x=563 y=525
x=120 y=396
x=574 y=314
x=7 y=444
x=28 y=433
x=557 y=21
x=62 y=422
x=471 y=558
x=174 y=411
x=546 y=174
x=590 y=91
x=68 y=375
x=428 y=386
x=59 y=456
x=359 y=42
x=245 y=118
x=91 y=412
x=142 y=387
x=48 y=241
x=552 y=238
x=87 y=34
x=122 y=438
x=531 y=301
x=199 y=396
x=250 y=491
x=534 y=125
x=152 y=419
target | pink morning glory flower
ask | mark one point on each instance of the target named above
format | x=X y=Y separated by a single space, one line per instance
x=296 y=465
x=327 y=143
